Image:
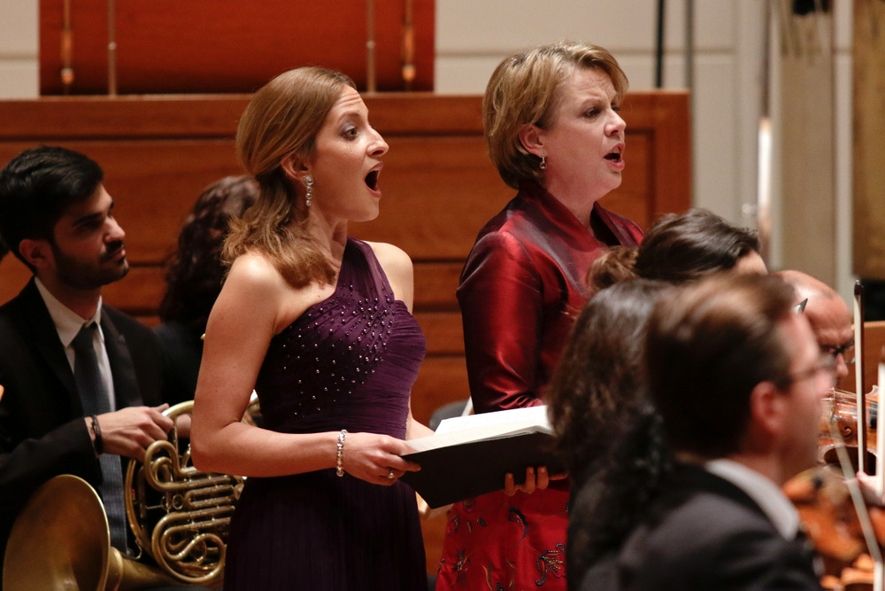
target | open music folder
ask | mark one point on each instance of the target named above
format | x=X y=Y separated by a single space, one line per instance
x=469 y=456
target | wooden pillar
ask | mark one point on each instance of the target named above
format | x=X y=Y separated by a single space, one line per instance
x=808 y=189
x=869 y=139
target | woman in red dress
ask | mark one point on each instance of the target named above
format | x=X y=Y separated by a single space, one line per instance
x=552 y=125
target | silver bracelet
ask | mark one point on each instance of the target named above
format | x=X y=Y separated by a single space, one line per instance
x=339 y=453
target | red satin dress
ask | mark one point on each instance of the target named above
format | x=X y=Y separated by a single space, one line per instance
x=522 y=288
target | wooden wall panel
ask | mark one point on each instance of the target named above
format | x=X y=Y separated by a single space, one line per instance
x=13 y=276
x=442 y=379
x=439 y=187
x=444 y=332
x=435 y=285
x=229 y=45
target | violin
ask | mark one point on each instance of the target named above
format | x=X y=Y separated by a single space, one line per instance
x=840 y=407
x=848 y=535
x=827 y=512
x=828 y=507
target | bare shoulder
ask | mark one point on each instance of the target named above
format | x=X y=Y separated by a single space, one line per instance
x=255 y=284
x=252 y=274
x=392 y=257
x=398 y=267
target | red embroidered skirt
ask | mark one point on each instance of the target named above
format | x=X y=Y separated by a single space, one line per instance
x=498 y=542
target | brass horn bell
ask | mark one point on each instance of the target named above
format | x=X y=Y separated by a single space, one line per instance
x=179 y=516
x=61 y=540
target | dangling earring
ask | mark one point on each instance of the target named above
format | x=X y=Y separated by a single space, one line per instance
x=543 y=164
x=308 y=190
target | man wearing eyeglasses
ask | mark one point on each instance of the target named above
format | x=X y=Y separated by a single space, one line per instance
x=828 y=315
x=738 y=379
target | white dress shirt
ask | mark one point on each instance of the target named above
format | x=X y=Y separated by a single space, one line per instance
x=68 y=323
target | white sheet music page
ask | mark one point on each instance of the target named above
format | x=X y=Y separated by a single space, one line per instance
x=485 y=426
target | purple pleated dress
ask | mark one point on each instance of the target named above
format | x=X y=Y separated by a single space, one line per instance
x=348 y=362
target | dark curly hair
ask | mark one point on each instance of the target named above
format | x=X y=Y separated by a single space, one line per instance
x=195 y=272
x=615 y=497
x=597 y=384
x=613 y=266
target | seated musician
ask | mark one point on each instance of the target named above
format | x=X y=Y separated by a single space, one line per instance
x=82 y=386
x=677 y=249
x=681 y=247
x=736 y=379
x=828 y=315
x=194 y=275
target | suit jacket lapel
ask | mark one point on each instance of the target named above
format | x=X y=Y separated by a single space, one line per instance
x=126 y=390
x=38 y=323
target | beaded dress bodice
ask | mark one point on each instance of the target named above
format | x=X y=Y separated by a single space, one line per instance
x=348 y=361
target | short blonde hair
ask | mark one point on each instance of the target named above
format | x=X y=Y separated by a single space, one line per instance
x=283 y=119
x=524 y=90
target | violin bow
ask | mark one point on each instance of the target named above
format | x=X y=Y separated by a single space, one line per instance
x=861 y=387
x=860 y=507
x=879 y=572
x=858 y=377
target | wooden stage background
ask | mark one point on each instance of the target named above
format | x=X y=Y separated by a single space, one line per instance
x=159 y=152
x=208 y=46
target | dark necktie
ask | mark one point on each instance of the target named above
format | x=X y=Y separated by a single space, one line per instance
x=96 y=401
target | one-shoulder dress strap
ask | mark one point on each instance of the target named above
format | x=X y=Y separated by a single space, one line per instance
x=375 y=283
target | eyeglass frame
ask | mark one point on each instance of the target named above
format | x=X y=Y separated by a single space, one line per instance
x=833 y=350
x=836 y=350
x=826 y=363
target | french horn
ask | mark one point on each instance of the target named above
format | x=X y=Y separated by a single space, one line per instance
x=178 y=514
x=61 y=540
x=179 y=517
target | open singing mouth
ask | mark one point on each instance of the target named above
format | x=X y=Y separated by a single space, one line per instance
x=615 y=155
x=372 y=179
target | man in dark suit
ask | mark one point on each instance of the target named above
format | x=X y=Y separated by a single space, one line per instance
x=738 y=379
x=82 y=385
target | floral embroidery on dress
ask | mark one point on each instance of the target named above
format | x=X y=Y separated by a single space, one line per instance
x=493 y=585
x=460 y=566
x=551 y=562
x=514 y=515
x=455 y=522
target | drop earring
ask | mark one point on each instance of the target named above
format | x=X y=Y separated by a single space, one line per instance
x=308 y=190
x=543 y=164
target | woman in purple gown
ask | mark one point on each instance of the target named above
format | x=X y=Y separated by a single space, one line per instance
x=320 y=325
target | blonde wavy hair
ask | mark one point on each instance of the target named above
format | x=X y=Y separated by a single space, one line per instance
x=282 y=120
x=524 y=89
